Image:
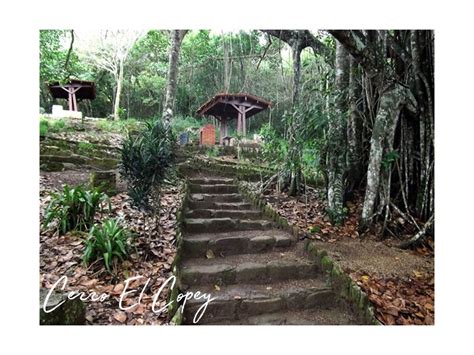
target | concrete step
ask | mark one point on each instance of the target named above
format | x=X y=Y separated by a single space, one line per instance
x=238 y=302
x=213 y=189
x=218 y=213
x=315 y=316
x=216 y=197
x=231 y=243
x=211 y=180
x=206 y=225
x=197 y=205
x=246 y=268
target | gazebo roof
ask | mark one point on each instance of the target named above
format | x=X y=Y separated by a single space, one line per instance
x=221 y=105
x=86 y=91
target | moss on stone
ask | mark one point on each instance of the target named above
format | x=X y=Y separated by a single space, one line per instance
x=363 y=301
x=70 y=312
x=177 y=317
x=326 y=264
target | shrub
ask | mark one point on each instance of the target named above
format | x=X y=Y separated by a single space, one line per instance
x=57 y=125
x=108 y=241
x=43 y=127
x=212 y=151
x=74 y=208
x=145 y=159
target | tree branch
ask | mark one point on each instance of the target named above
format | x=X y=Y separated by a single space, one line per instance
x=68 y=57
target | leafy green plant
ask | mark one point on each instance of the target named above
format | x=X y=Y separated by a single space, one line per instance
x=43 y=127
x=74 y=208
x=57 y=125
x=145 y=160
x=212 y=152
x=109 y=241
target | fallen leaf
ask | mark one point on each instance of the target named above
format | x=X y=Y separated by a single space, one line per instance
x=120 y=316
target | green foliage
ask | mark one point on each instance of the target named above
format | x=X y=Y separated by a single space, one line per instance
x=85 y=147
x=120 y=126
x=145 y=160
x=388 y=159
x=109 y=241
x=189 y=124
x=43 y=127
x=74 y=208
x=275 y=147
x=55 y=126
x=212 y=151
x=54 y=48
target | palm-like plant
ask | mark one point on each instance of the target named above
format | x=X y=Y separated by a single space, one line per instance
x=108 y=241
x=74 y=208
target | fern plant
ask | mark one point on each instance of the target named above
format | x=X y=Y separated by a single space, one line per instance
x=109 y=242
x=74 y=208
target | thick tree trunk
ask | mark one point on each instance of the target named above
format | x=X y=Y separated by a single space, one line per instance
x=337 y=138
x=170 y=95
x=354 y=130
x=391 y=103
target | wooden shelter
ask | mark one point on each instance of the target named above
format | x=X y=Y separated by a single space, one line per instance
x=225 y=107
x=73 y=91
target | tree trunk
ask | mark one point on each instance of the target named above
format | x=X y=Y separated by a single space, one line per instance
x=337 y=138
x=354 y=130
x=118 y=92
x=391 y=103
x=170 y=95
x=295 y=154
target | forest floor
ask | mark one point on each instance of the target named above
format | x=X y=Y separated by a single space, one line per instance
x=400 y=283
x=154 y=253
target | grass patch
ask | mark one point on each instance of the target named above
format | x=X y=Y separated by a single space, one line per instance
x=85 y=147
x=52 y=126
x=121 y=126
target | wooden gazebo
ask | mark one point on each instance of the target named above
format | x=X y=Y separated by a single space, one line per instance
x=225 y=107
x=73 y=90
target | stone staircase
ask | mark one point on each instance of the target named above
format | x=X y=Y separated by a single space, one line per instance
x=258 y=274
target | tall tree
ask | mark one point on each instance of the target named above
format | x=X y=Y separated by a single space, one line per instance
x=297 y=40
x=173 y=65
x=109 y=52
x=337 y=137
x=381 y=56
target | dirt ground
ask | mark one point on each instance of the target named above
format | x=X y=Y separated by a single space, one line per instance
x=369 y=256
x=55 y=180
x=154 y=252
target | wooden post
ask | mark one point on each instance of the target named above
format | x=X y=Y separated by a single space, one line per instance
x=244 y=124
x=239 y=123
x=221 y=130
x=69 y=90
x=74 y=101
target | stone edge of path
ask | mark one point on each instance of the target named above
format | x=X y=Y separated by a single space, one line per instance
x=175 y=312
x=341 y=282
